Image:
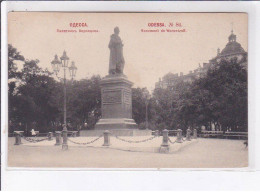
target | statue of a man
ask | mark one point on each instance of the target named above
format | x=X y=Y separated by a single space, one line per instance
x=116 y=60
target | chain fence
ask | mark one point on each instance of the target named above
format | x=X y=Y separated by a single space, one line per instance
x=130 y=141
x=85 y=143
x=172 y=142
x=41 y=134
x=34 y=140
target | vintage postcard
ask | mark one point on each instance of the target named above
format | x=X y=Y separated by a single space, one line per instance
x=127 y=90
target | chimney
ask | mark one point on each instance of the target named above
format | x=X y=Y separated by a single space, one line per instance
x=181 y=73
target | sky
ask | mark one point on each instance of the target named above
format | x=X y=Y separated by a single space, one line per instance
x=148 y=55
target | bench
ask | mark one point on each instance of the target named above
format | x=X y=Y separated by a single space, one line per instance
x=72 y=133
x=18 y=132
x=36 y=133
x=15 y=132
x=211 y=134
x=173 y=132
x=41 y=134
x=154 y=133
x=239 y=135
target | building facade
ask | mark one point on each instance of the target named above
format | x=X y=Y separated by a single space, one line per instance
x=232 y=50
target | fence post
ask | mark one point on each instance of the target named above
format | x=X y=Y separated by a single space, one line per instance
x=188 y=138
x=58 y=137
x=165 y=145
x=106 y=138
x=64 y=140
x=179 y=136
x=17 y=138
x=195 y=135
x=50 y=136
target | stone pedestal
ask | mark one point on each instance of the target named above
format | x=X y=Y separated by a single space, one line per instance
x=58 y=138
x=188 y=136
x=179 y=136
x=106 y=138
x=18 y=140
x=116 y=105
x=165 y=145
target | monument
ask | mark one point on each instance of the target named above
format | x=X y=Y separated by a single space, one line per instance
x=116 y=93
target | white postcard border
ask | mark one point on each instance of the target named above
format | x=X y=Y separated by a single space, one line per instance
x=135 y=179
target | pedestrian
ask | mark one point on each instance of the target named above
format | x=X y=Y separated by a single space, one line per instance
x=33 y=133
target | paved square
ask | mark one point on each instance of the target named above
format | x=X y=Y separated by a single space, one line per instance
x=202 y=153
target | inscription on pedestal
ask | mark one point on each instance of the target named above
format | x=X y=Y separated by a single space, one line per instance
x=112 y=97
x=127 y=97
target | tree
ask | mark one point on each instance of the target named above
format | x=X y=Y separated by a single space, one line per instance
x=140 y=96
x=34 y=104
x=138 y=105
x=219 y=98
x=172 y=111
x=31 y=94
x=13 y=57
x=227 y=81
x=84 y=101
x=36 y=98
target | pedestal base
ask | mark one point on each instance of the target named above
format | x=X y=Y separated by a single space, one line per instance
x=116 y=106
x=117 y=123
x=118 y=132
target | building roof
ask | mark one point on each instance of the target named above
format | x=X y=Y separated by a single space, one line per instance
x=170 y=76
x=232 y=47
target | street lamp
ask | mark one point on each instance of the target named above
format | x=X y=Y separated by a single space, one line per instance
x=57 y=65
x=147 y=97
x=73 y=70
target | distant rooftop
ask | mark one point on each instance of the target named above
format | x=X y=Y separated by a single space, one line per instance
x=232 y=47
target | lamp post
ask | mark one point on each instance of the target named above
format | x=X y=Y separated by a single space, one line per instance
x=57 y=65
x=147 y=98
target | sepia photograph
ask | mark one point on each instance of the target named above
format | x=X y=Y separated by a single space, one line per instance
x=127 y=90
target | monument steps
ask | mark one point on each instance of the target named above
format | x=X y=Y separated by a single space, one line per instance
x=118 y=132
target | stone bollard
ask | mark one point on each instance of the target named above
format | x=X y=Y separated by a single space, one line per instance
x=58 y=138
x=165 y=145
x=18 y=139
x=50 y=136
x=156 y=133
x=74 y=134
x=195 y=135
x=179 y=136
x=65 y=140
x=106 y=138
x=188 y=137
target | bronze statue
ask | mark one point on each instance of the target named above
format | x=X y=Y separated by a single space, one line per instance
x=116 y=60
